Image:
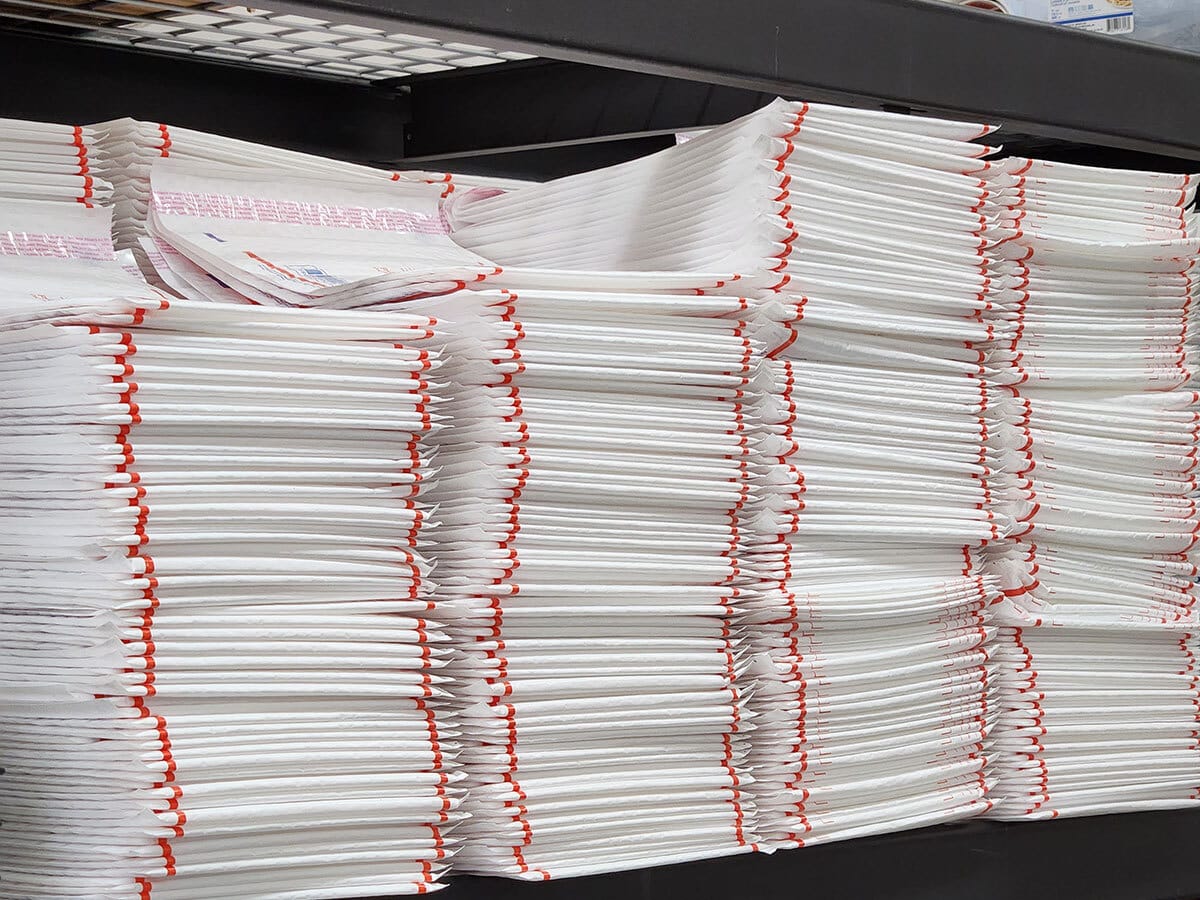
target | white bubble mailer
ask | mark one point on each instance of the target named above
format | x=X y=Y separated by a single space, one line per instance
x=242 y=236
x=126 y=151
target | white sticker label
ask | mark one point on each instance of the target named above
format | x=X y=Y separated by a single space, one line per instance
x=1105 y=16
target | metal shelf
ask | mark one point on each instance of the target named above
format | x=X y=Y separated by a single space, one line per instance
x=623 y=71
x=57 y=80
x=1141 y=856
x=926 y=56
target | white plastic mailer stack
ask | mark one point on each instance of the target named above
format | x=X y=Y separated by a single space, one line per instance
x=126 y=152
x=244 y=236
x=862 y=242
x=1098 y=684
x=220 y=646
x=880 y=415
x=588 y=490
x=590 y=565
x=44 y=161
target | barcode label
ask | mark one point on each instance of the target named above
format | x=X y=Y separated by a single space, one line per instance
x=1100 y=16
x=1119 y=24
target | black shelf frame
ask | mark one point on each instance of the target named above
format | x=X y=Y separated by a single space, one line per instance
x=620 y=78
x=55 y=79
x=1136 y=856
x=904 y=54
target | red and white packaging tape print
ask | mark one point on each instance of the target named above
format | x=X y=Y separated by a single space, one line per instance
x=57 y=245
x=294 y=212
